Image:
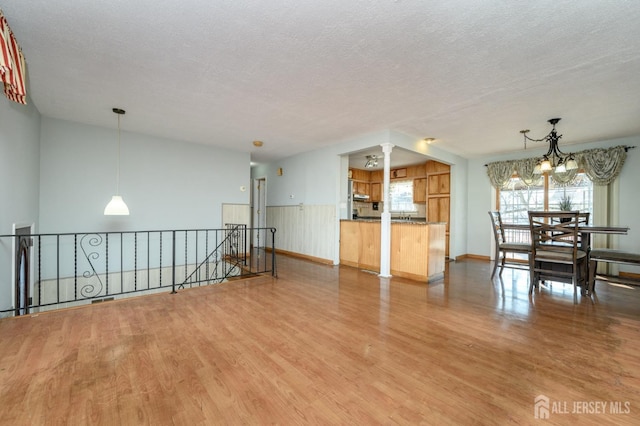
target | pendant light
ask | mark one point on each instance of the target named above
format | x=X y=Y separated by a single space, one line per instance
x=116 y=206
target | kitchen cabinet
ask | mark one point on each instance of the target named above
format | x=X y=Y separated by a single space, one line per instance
x=420 y=190
x=361 y=175
x=376 y=192
x=438 y=210
x=438 y=195
x=417 y=249
x=361 y=188
x=439 y=184
x=377 y=176
x=398 y=173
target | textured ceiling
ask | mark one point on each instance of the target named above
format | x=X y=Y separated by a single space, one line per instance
x=303 y=74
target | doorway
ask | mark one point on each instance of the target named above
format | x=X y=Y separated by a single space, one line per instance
x=22 y=266
x=259 y=216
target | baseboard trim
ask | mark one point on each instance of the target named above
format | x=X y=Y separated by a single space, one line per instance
x=304 y=256
x=473 y=256
x=629 y=275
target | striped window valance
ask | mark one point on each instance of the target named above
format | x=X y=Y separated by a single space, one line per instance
x=601 y=165
x=12 y=64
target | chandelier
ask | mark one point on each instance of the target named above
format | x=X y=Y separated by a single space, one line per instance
x=372 y=161
x=554 y=159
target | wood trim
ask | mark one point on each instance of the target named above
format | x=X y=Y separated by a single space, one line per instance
x=473 y=256
x=419 y=278
x=630 y=275
x=350 y=263
x=303 y=256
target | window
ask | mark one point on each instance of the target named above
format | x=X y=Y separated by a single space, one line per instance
x=580 y=192
x=517 y=198
x=401 y=195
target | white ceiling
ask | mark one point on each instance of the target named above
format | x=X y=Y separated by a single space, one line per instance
x=303 y=74
x=399 y=157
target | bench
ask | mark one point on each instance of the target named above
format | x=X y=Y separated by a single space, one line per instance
x=611 y=256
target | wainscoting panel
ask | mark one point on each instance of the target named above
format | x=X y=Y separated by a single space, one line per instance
x=236 y=214
x=305 y=229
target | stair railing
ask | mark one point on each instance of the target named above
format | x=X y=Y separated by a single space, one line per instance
x=70 y=269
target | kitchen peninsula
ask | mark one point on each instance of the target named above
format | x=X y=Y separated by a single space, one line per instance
x=417 y=247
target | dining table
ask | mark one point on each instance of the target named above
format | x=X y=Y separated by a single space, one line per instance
x=584 y=230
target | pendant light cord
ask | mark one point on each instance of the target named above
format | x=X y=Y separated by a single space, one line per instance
x=118 y=112
x=118 y=163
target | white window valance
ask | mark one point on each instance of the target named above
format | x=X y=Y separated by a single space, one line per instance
x=601 y=165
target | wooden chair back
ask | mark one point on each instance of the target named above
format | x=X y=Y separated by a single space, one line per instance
x=555 y=249
x=498 y=228
x=555 y=232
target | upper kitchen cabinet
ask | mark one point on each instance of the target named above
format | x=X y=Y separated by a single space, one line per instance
x=360 y=175
x=420 y=190
x=376 y=191
x=399 y=173
x=361 y=188
x=377 y=176
x=439 y=184
x=360 y=180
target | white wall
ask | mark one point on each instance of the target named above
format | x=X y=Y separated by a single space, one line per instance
x=307 y=178
x=629 y=199
x=19 y=181
x=166 y=183
x=19 y=164
x=481 y=198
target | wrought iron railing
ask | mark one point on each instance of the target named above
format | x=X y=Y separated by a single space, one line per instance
x=232 y=258
x=71 y=269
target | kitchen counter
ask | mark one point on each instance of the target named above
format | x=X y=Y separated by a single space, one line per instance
x=417 y=252
x=416 y=220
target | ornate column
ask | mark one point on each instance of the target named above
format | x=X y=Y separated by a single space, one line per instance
x=385 y=222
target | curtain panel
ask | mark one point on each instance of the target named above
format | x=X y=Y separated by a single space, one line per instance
x=601 y=165
x=12 y=64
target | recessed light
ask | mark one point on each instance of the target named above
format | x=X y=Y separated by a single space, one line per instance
x=429 y=140
x=257 y=143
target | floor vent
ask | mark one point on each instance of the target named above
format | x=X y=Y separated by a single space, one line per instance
x=106 y=299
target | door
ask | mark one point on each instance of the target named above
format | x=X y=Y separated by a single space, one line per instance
x=22 y=262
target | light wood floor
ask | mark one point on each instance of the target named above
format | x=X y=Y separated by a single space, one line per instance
x=328 y=345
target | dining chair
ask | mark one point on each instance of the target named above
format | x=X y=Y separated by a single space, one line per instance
x=503 y=247
x=585 y=239
x=556 y=253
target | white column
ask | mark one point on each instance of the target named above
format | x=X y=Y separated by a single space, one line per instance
x=385 y=222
